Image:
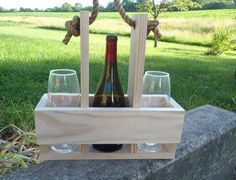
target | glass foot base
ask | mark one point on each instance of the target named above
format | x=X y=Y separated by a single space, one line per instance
x=149 y=147
x=63 y=148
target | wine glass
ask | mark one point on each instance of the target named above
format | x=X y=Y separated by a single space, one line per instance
x=156 y=85
x=63 y=91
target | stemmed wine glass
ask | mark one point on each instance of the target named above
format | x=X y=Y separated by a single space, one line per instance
x=155 y=84
x=63 y=91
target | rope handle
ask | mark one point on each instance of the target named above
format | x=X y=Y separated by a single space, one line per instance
x=152 y=24
x=73 y=26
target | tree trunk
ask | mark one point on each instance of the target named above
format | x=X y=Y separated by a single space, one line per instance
x=155 y=38
x=155 y=43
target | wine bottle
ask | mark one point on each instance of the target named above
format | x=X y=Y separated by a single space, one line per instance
x=109 y=91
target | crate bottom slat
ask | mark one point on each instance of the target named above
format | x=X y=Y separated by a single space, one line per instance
x=167 y=152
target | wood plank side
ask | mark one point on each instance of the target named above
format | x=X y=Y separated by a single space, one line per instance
x=84 y=53
x=111 y=156
x=75 y=114
x=94 y=127
x=84 y=59
x=131 y=69
x=133 y=148
x=170 y=147
x=136 y=65
x=137 y=59
x=44 y=149
x=84 y=148
x=108 y=156
x=42 y=102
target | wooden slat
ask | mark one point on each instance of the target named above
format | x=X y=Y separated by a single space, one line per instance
x=137 y=59
x=88 y=126
x=170 y=147
x=44 y=148
x=95 y=126
x=133 y=148
x=95 y=155
x=84 y=148
x=84 y=59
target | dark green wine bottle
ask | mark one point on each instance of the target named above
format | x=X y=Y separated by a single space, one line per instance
x=109 y=92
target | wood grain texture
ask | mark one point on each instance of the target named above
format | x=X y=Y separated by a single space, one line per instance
x=44 y=149
x=170 y=147
x=133 y=148
x=84 y=148
x=108 y=125
x=84 y=58
x=136 y=63
x=137 y=59
x=95 y=155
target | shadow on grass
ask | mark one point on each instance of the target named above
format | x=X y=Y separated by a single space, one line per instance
x=196 y=80
x=194 y=83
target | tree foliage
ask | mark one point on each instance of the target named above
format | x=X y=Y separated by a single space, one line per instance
x=184 y=5
x=129 y=5
x=25 y=9
x=217 y=4
x=154 y=7
x=223 y=40
x=110 y=7
x=1 y=9
x=151 y=7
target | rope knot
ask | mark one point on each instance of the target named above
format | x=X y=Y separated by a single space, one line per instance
x=73 y=26
x=153 y=26
x=73 y=29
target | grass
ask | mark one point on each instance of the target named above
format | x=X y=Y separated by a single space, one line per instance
x=221 y=13
x=193 y=27
x=18 y=149
x=28 y=52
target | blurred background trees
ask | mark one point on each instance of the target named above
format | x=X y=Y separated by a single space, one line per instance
x=155 y=7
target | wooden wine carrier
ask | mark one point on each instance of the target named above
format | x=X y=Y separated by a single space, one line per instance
x=130 y=126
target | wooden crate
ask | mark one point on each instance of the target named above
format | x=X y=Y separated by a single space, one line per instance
x=109 y=126
x=130 y=126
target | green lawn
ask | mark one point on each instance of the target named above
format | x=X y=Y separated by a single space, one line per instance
x=193 y=27
x=222 y=13
x=27 y=53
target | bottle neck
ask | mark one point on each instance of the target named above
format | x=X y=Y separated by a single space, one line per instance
x=111 y=51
